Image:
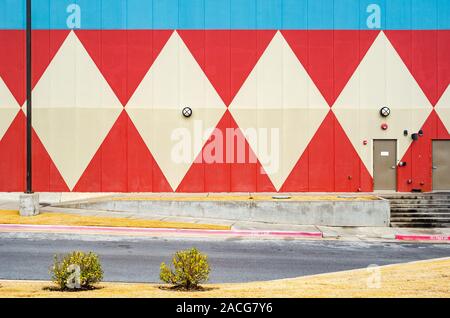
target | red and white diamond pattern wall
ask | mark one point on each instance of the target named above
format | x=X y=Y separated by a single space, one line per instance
x=107 y=103
x=280 y=94
x=8 y=108
x=74 y=109
x=381 y=79
x=443 y=108
x=174 y=80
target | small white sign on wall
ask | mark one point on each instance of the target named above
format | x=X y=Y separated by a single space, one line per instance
x=385 y=154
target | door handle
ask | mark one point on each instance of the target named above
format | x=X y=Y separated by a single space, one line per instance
x=434 y=167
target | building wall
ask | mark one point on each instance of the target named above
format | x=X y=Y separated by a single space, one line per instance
x=289 y=89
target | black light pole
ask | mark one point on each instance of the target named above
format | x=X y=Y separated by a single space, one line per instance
x=29 y=98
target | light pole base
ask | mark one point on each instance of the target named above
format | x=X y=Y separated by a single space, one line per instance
x=29 y=204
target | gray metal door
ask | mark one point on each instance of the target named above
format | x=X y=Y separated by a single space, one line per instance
x=441 y=164
x=385 y=164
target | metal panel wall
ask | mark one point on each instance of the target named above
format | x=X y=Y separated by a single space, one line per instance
x=109 y=93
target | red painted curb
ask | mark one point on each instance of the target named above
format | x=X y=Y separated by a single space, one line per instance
x=134 y=230
x=418 y=237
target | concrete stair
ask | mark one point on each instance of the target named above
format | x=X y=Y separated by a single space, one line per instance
x=425 y=210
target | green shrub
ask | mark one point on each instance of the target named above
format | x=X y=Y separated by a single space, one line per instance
x=76 y=270
x=191 y=268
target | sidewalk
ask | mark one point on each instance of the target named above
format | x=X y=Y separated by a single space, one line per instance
x=125 y=222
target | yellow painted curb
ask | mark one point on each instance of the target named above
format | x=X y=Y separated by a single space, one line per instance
x=13 y=217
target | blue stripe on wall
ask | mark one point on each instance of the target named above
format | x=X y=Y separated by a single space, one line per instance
x=230 y=14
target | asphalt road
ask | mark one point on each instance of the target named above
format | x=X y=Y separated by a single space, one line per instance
x=28 y=256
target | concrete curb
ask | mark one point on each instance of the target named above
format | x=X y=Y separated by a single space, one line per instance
x=249 y=233
x=135 y=231
x=421 y=237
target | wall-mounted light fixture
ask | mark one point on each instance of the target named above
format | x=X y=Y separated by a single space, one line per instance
x=405 y=133
x=415 y=137
x=421 y=133
x=187 y=112
x=385 y=111
x=384 y=126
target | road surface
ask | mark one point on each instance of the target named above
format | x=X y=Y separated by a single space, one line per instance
x=132 y=259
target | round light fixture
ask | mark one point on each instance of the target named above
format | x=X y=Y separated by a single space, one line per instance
x=385 y=111
x=187 y=112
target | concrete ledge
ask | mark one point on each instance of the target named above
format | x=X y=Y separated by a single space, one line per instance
x=361 y=213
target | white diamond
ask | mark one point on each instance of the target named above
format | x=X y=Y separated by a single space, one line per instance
x=280 y=95
x=381 y=79
x=8 y=108
x=73 y=109
x=443 y=108
x=174 y=81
